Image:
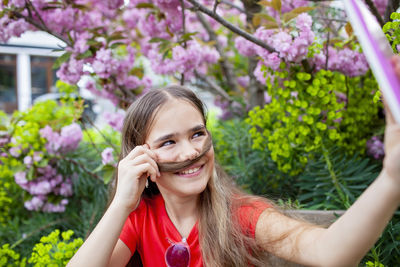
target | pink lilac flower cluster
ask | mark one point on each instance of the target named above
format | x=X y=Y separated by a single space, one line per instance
x=228 y=109
x=375 y=147
x=347 y=61
x=115 y=120
x=48 y=182
x=65 y=141
x=107 y=156
x=185 y=60
x=381 y=5
x=9 y=28
x=289 y=46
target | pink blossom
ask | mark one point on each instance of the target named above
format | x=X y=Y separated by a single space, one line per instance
x=243 y=81
x=35 y=203
x=37 y=156
x=39 y=188
x=20 y=178
x=347 y=61
x=56 y=180
x=15 y=151
x=81 y=43
x=12 y=28
x=375 y=148
x=115 y=120
x=28 y=160
x=3 y=141
x=259 y=74
x=107 y=156
x=381 y=5
x=17 y=3
x=66 y=189
x=53 y=139
x=60 y=207
x=267 y=98
x=71 y=71
x=245 y=47
x=71 y=135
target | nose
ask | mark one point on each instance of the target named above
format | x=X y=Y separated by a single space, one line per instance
x=188 y=151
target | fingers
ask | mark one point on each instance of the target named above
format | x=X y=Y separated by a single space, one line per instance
x=141 y=160
x=146 y=159
x=388 y=114
x=139 y=150
x=396 y=65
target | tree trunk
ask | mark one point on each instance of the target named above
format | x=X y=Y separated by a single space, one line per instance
x=256 y=89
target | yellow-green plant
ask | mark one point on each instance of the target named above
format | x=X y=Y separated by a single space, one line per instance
x=10 y=258
x=53 y=251
x=308 y=112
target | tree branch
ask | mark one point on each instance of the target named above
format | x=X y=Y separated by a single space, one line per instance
x=227 y=68
x=39 y=27
x=230 y=26
x=183 y=33
x=392 y=6
x=228 y=3
x=375 y=11
x=213 y=86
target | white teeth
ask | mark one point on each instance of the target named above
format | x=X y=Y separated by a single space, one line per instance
x=190 y=171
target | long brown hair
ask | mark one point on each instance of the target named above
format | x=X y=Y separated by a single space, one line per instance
x=222 y=240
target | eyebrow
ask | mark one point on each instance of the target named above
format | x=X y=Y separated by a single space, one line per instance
x=169 y=136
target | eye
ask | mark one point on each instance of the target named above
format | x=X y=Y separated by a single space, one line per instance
x=167 y=143
x=199 y=133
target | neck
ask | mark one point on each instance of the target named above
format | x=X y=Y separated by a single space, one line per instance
x=182 y=211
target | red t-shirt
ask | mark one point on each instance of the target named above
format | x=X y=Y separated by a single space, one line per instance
x=150 y=231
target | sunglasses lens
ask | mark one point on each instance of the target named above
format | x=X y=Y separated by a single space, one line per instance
x=177 y=255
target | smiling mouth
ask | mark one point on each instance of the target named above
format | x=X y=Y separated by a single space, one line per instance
x=191 y=170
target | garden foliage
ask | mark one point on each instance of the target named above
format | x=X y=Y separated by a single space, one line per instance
x=312 y=135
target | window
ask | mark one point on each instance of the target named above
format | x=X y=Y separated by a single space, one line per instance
x=8 y=83
x=43 y=76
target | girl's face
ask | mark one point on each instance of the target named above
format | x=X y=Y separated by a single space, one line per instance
x=178 y=133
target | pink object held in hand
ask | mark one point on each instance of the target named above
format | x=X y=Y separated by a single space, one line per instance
x=377 y=51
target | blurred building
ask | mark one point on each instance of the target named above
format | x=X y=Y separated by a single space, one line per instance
x=26 y=69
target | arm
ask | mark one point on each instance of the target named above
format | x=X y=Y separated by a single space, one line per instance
x=99 y=246
x=347 y=240
x=102 y=247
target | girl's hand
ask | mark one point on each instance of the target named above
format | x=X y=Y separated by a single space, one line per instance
x=392 y=136
x=133 y=171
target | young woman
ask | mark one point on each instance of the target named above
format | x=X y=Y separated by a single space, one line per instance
x=173 y=206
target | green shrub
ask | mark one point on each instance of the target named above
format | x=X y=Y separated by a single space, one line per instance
x=10 y=258
x=53 y=251
x=310 y=113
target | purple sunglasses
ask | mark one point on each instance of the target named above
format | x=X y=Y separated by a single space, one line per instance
x=178 y=254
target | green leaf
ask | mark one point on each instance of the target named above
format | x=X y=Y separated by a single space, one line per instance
x=137 y=71
x=99 y=168
x=295 y=12
x=43 y=163
x=158 y=40
x=108 y=173
x=265 y=3
x=270 y=25
x=87 y=54
x=187 y=36
x=145 y=5
x=277 y=5
x=60 y=60
x=259 y=17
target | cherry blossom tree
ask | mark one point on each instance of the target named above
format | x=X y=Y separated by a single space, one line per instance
x=221 y=46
